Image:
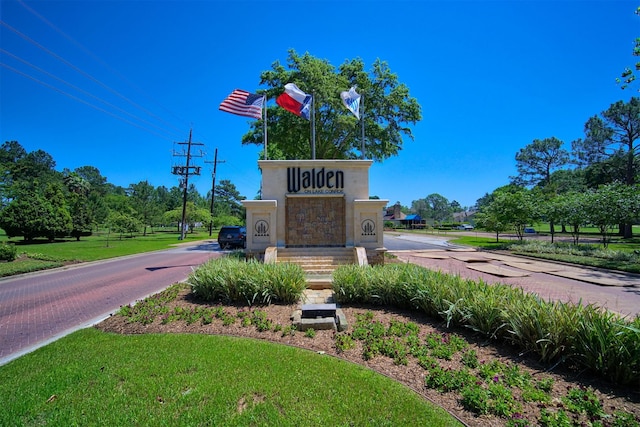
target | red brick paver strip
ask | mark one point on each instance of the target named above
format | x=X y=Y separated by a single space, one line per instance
x=624 y=298
x=38 y=308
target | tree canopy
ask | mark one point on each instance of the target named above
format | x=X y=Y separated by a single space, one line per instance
x=537 y=161
x=38 y=201
x=628 y=76
x=388 y=110
x=615 y=132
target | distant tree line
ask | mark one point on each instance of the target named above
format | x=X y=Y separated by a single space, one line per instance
x=37 y=201
x=595 y=183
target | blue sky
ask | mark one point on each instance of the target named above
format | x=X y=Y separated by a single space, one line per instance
x=490 y=76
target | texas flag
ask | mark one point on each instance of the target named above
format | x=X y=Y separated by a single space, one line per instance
x=295 y=101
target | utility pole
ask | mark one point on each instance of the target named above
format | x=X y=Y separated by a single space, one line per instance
x=185 y=171
x=213 y=187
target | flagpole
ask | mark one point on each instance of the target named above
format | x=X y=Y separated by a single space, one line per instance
x=362 y=124
x=264 y=128
x=313 y=126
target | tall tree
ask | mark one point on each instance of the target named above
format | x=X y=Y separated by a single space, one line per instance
x=24 y=170
x=420 y=207
x=388 y=110
x=26 y=216
x=228 y=200
x=616 y=132
x=92 y=175
x=59 y=224
x=610 y=205
x=143 y=201
x=510 y=206
x=36 y=166
x=628 y=76
x=609 y=170
x=168 y=199
x=538 y=160
x=193 y=215
x=10 y=153
x=434 y=206
x=566 y=180
x=34 y=213
x=79 y=205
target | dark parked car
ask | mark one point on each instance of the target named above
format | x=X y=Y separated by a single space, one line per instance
x=232 y=236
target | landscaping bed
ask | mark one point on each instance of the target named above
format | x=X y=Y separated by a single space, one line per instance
x=505 y=387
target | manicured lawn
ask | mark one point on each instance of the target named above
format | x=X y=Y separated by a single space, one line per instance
x=102 y=246
x=42 y=254
x=96 y=378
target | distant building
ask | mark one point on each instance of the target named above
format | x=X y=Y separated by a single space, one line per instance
x=464 y=216
x=399 y=219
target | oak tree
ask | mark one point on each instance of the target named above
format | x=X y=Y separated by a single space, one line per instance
x=388 y=110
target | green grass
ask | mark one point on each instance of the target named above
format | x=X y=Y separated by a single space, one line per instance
x=26 y=266
x=42 y=255
x=592 y=255
x=101 y=246
x=488 y=243
x=96 y=378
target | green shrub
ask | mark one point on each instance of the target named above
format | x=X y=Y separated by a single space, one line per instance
x=233 y=280
x=607 y=344
x=591 y=337
x=8 y=252
x=545 y=327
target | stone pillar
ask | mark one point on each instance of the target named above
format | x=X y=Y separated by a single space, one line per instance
x=369 y=223
x=261 y=224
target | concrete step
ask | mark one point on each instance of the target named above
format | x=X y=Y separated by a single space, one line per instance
x=317 y=263
x=319 y=280
x=319 y=260
x=319 y=270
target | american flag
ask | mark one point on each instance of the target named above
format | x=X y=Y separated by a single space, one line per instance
x=243 y=103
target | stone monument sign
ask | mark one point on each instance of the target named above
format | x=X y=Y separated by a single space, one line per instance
x=314 y=203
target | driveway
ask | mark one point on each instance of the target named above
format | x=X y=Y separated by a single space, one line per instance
x=38 y=308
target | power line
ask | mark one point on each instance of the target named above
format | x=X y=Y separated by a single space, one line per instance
x=135 y=121
x=103 y=63
x=89 y=94
x=77 y=69
x=81 y=100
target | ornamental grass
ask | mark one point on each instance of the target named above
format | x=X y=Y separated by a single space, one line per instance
x=229 y=279
x=588 y=336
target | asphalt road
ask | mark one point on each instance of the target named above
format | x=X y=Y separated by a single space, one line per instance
x=414 y=242
x=39 y=308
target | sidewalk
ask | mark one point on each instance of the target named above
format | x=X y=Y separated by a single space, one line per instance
x=615 y=291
